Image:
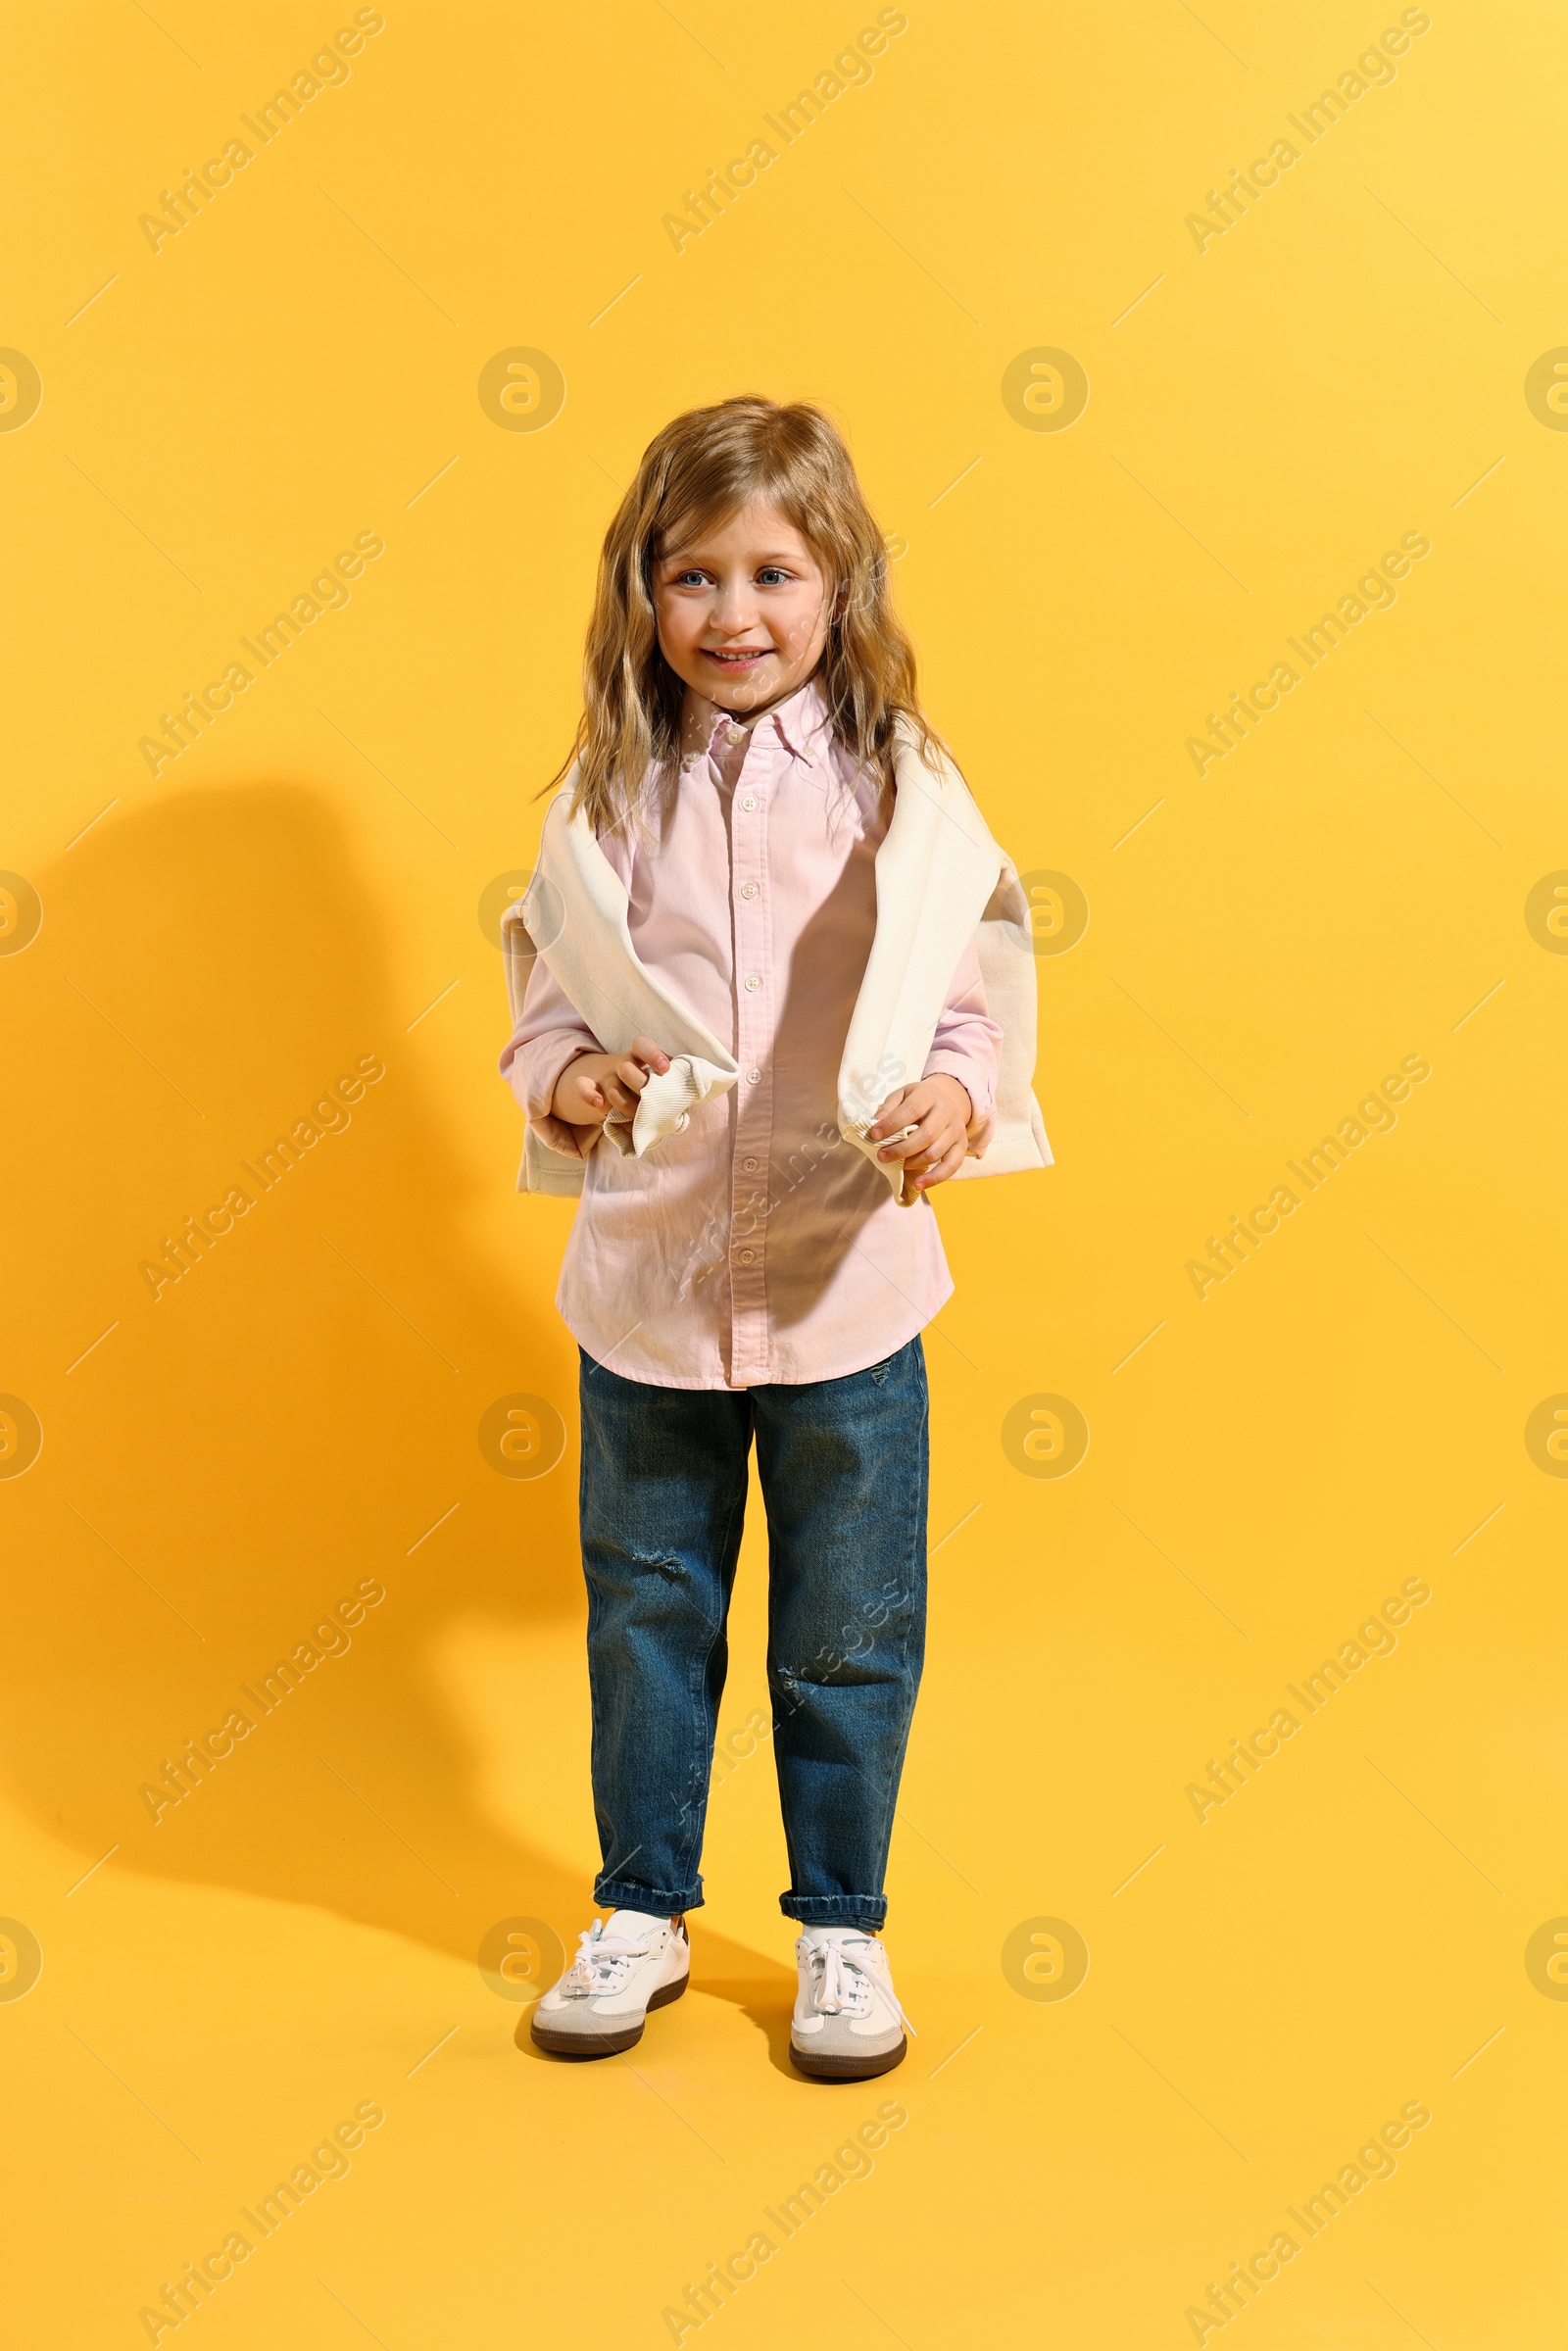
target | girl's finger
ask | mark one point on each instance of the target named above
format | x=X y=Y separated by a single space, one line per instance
x=948 y=1165
x=935 y=1134
x=654 y=1054
x=939 y=1147
x=885 y=1121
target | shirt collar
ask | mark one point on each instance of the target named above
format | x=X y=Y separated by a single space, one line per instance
x=799 y=721
x=802 y=718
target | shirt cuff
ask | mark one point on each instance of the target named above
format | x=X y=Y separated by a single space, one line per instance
x=976 y=1082
x=533 y=1073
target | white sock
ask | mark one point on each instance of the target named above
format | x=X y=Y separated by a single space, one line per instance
x=635 y=1923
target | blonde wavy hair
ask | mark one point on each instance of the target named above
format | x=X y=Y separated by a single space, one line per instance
x=701 y=468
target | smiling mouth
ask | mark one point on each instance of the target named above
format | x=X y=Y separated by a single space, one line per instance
x=741 y=660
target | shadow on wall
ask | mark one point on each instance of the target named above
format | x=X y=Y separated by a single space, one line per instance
x=283 y=1423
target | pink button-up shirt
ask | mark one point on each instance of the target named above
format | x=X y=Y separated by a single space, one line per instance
x=756 y=1245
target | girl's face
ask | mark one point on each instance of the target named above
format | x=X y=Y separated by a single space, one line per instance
x=742 y=609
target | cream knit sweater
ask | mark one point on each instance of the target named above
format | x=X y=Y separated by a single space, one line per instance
x=941 y=881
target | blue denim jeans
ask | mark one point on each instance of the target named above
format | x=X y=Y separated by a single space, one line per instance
x=842 y=1471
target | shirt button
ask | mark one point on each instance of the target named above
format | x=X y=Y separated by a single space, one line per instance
x=747 y=1255
x=748 y=802
x=734 y=734
x=749 y=1167
x=754 y=1077
x=748 y=889
x=752 y=981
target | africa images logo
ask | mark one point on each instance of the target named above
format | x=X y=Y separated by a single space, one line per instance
x=183 y=1252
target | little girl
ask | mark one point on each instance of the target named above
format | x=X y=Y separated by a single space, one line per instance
x=772 y=985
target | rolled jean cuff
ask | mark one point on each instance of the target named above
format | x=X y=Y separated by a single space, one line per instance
x=867 y=1912
x=624 y=1893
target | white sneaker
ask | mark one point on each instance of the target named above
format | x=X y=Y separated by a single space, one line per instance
x=847 y=2024
x=625 y=1964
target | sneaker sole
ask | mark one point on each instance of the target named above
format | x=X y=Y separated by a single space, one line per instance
x=601 y=2044
x=846 y=2069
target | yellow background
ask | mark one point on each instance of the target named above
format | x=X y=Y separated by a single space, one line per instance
x=302 y=886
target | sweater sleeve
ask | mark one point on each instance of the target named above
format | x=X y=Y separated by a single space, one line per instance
x=965 y=1047
x=546 y=1039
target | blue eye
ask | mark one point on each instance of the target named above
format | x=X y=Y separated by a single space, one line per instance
x=772 y=575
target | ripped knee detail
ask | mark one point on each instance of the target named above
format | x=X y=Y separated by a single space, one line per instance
x=664 y=1565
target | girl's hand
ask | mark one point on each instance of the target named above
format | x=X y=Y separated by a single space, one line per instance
x=595 y=1084
x=940 y=1111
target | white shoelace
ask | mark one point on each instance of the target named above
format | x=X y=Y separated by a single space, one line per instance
x=603 y=1960
x=847 y=1983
